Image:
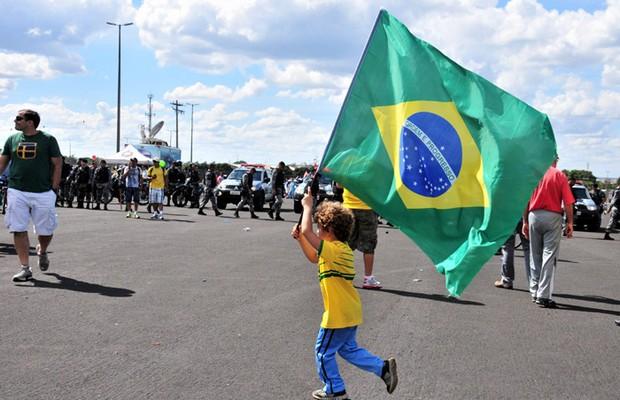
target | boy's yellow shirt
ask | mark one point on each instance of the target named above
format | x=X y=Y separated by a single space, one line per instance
x=343 y=307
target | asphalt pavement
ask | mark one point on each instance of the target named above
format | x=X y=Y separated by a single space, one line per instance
x=205 y=307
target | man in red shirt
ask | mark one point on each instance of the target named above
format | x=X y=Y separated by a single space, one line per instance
x=542 y=224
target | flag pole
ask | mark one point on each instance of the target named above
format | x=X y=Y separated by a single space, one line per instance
x=320 y=167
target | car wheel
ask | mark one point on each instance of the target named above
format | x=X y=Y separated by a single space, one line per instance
x=179 y=199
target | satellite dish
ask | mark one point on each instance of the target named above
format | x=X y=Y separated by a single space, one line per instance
x=156 y=129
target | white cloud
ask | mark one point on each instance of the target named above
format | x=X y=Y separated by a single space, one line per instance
x=48 y=47
x=200 y=91
x=6 y=85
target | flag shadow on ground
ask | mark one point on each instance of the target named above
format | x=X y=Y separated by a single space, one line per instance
x=80 y=286
x=428 y=296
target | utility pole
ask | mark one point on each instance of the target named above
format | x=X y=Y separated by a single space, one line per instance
x=118 y=88
x=176 y=106
x=150 y=113
x=191 y=135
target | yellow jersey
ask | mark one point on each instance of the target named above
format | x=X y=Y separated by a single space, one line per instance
x=351 y=202
x=157 y=178
x=343 y=307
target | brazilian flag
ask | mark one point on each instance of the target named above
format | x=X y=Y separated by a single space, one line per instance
x=440 y=152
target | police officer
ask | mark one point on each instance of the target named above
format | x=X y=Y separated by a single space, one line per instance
x=277 y=187
x=65 y=185
x=598 y=196
x=101 y=180
x=176 y=178
x=210 y=184
x=82 y=181
x=194 y=184
x=614 y=208
x=246 y=193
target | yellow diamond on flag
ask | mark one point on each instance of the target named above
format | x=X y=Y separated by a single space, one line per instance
x=436 y=162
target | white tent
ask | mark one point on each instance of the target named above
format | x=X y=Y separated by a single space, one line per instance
x=123 y=156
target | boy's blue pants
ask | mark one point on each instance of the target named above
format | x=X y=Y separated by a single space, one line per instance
x=341 y=341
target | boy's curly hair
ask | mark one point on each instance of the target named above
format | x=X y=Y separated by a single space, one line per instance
x=332 y=216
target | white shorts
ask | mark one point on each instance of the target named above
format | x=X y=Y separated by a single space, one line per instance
x=23 y=206
x=156 y=196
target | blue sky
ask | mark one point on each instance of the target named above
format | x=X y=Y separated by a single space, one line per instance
x=270 y=76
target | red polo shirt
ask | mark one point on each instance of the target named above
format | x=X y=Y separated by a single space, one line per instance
x=552 y=191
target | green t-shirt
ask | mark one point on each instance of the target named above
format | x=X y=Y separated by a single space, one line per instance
x=31 y=167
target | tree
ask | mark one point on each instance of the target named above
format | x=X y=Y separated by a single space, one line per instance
x=582 y=175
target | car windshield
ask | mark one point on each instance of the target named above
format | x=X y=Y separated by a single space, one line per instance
x=238 y=174
x=580 y=193
x=323 y=180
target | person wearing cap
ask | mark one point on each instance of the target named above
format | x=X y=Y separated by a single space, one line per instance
x=132 y=175
x=157 y=185
x=246 y=193
x=542 y=225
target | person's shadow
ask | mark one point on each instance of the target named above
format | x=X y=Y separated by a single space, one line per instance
x=79 y=286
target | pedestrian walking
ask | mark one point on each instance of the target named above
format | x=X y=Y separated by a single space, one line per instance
x=364 y=236
x=277 y=187
x=507 y=270
x=343 y=308
x=36 y=167
x=542 y=225
x=614 y=208
x=246 y=193
x=210 y=183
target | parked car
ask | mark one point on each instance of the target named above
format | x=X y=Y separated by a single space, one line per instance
x=585 y=212
x=229 y=190
x=326 y=191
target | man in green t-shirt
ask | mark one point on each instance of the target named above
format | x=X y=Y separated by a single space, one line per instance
x=33 y=179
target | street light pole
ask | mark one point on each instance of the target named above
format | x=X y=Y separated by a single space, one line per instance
x=118 y=89
x=191 y=136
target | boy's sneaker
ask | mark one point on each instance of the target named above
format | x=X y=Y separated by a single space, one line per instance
x=154 y=216
x=135 y=215
x=128 y=215
x=25 y=274
x=389 y=376
x=371 y=283
x=160 y=217
x=320 y=394
x=44 y=262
